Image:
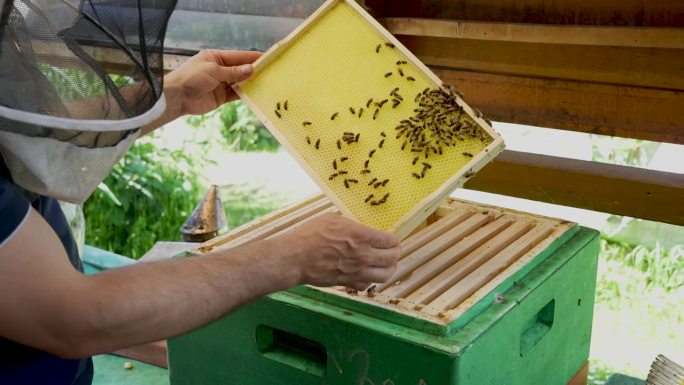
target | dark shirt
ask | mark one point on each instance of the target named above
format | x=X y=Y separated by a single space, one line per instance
x=21 y=364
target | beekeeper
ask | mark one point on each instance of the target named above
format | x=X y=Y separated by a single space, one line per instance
x=65 y=120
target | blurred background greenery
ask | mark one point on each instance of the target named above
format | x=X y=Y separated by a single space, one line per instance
x=153 y=189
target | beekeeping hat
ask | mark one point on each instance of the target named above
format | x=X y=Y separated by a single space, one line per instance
x=78 y=78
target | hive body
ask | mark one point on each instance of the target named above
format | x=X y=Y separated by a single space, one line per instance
x=529 y=322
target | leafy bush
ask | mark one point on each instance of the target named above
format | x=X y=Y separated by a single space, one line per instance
x=244 y=203
x=239 y=127
x=146 y=198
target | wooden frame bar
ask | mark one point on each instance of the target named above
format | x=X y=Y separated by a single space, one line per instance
x=620 y=190
x=625 y=36
x=640 y=13
x=634 y=66
x=615 y=110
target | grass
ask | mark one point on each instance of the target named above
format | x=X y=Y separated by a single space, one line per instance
x=639 y=297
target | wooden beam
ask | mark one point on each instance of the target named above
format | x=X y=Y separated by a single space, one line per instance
x=631 y=112
x=620 y=190
x=662 y=13
x=538 y=33
x=645 y=67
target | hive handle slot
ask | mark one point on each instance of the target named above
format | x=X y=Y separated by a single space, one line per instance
x=538 y=326
x=292 y=350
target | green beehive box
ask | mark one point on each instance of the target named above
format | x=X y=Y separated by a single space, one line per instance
x=526 y=321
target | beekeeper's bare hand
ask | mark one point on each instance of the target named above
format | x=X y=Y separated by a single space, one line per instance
x=333 y=250
x=202 y=83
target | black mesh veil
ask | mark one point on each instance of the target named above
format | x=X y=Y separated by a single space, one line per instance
x=78 y=78
x=74 y=69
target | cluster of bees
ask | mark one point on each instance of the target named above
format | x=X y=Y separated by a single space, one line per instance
x=436 y=123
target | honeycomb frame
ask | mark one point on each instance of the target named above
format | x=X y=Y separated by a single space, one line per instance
x=313 y=92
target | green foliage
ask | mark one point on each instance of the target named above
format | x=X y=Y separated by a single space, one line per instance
x=77 y=84
x=650 y=267
x=146 y=198
x=244 y=203
x=622 y=151
x=239 y=127
x=598 y=372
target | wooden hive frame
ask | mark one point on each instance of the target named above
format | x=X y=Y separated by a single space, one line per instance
x=478 y=248
x=412 y=218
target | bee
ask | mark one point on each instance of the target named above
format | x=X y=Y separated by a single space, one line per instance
x=374 y=203
x=375 y=114
x=411 y=78
x=469 y=174
x=278 y=106
x=389 y=45
x=346 y=183
x=365 y=164
x=372 y=181
x=384 y=198
x=394 y=301
x=388 y=74
x=370 y=154
x=344 y=159
x=477 y=112
x=395 y=103
x=377 y=49
x=347 y=133
x=365 y=171
x=418 y=97
x=377 y=184
x=370 y=101
x=356 y=139
x=306 y=124
x=278 y=114
x=334 y=164
x=488 y=121
x=403 y=145
x=360 y=112
x=401 y=73
x=427 y=165
x=352 y=181
x=368 y=198
x=381 y=143
x=384 y=182
x=333 y=176
x=396 y=95
x=426 y=90
x=343 y=172
x=394 y=91
x=334 y=115
x=370 y=292
x=308 y=140
x=467 y=154
x=351 y=109
x=285 y=105
x=422 y=173
x=415 y=175
x=416 y=149
x=339 y=144
x=318 y=144
x=381 y=103
x=383 y=134
x=400 y=62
